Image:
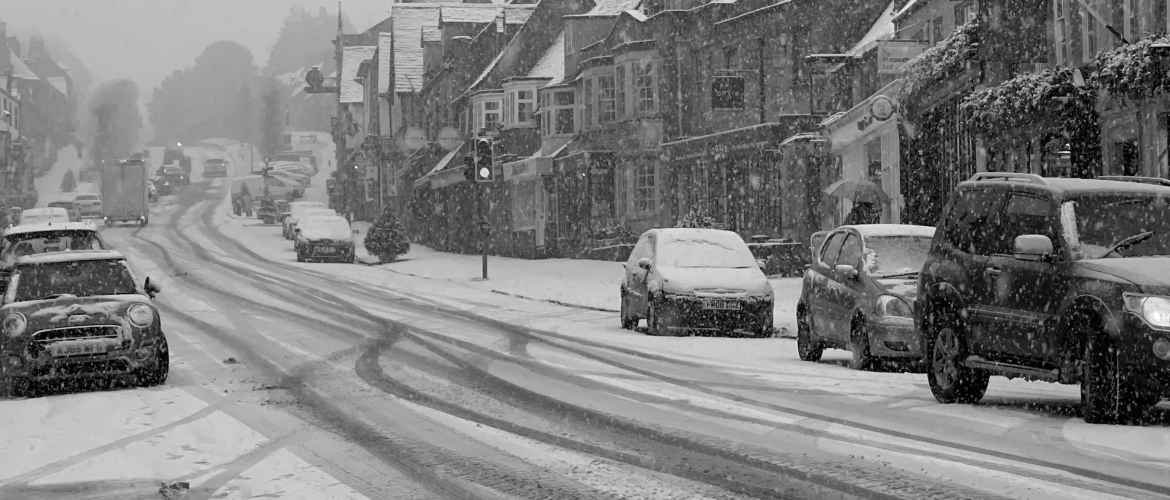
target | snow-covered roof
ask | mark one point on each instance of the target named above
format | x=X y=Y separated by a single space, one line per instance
x=486 y=71
x=910 y=7
x=351 y=91
x=431 y=34
x=485 y=13
x=385 y=55
x=19 y=68
x=70 y=256
x=60 y=83
x=406 y=22
x=610 y=8
x=877 y=230
x=882 y=29
x=552 y=63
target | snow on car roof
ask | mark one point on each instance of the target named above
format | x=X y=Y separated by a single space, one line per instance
x=62 y=226
x=70 y=256
x=1097 y=185
x=868 y=230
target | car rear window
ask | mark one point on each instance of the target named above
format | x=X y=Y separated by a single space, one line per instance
x=81 y=278
x=21 y=244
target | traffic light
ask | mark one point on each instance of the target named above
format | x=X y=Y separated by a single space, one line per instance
x=484 y=159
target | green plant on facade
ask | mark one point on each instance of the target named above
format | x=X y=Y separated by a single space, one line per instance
x=1031 y=105
x=946 y=59
x=612 y=229
x=1131 y=71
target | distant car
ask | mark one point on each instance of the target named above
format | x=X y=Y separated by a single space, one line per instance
x=161 y=185
x=56 y=215
x=859 y=293
x=214 y=167
x=303 y=180
x=175 y=175
x=289 y=219
x=325 y=237
x=19 y=241
x=683 y=279
x=74 y=213
x=72 y=315
x=90 y=205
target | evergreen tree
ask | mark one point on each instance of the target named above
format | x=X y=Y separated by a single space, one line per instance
x=387 y=238
x=68 y=183
x=697 y=217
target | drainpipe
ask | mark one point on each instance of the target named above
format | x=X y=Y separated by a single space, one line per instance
x=678 y=87
x=763 y=94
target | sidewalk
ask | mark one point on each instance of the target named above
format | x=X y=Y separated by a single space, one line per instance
x=588 y=284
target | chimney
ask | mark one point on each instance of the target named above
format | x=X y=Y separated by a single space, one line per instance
x=14 y=44
x=36 y=47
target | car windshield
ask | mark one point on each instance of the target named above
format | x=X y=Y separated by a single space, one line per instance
x=895 y=255
x=79 y=277
x=297 y=209
x=21 y=244
x=333 y=228
x=1102 y=221
x=704 y=248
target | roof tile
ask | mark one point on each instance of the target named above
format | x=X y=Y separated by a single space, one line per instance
x=407 y=20
x=486 y=13
x=552 y=63
x=351 y=91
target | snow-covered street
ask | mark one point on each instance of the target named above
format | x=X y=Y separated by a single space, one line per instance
x=412 y=380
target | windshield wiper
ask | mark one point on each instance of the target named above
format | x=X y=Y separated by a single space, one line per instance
x=1129 y=242
x=55 y=296
x=898 y=275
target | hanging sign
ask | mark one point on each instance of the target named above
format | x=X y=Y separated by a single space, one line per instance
x=893 y=55
x=414 y=139
x=450 y=138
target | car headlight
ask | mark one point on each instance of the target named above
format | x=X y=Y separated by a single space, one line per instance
x=1155 y=310
x=140 y=315
x=889 y=305
x=14 y=324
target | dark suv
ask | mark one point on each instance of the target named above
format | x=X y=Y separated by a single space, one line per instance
x=1061 y=280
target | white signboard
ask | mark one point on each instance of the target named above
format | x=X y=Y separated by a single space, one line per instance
x=450 y=138
x=414 y=139
x=893 y=55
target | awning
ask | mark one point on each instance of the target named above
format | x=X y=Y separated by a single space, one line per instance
x=439 y=167
x=533 y=166
x=863 y=120
x=739 y=142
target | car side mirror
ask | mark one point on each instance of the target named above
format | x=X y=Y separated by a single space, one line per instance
x=761 y=263
x=644 y=263
x=1032 y=247
x=151 y=288
x=846 y=270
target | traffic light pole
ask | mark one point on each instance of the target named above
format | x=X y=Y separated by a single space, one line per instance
x=485 y=229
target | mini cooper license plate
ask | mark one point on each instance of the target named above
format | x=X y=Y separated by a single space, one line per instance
x=721 y=304
x=326 y=250
x=78 y=348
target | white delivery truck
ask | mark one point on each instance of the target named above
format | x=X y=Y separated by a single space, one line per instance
x=125 y=193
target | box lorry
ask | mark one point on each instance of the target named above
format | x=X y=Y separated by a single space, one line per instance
x=125 y=195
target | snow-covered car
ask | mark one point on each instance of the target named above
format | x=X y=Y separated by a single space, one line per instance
x=74 y=213
x=303 y=180
x=294 y=223
x=34 y=216
x=69 y=315
x=175 y=175
x=858 y=294
x=214 y=167
x=161 y=185
x=289 y=219
x=321 y=237
x=682 y=279
x=19 y=241
x=90 y=205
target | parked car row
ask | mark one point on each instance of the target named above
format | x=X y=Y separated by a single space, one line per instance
x=318 y=233
x=1050 y=279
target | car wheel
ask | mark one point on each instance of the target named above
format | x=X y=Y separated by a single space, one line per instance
x=628 y=322
x=300 y=256
x=145 y=221
x=806 y=348
x=859 y=346
x=157 y=373
x=1106 y=397
x=950 y=380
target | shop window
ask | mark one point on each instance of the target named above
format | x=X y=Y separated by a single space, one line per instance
x=606 y=100
x=620 y=84
x=644 y=83
x=524 y=205
x=588 y=103
x=645 y=187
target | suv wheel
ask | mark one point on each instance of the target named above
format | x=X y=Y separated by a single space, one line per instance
x=950 y=380
x=157 y=374
x=805 y=347
x=1105 y=395
x=859 y=346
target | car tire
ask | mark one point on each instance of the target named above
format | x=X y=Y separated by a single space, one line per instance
x=806 y=348
x=628 y=322
x=1106 y=398
x=145 y=221
x=950 y=380
x=157 y=373
x=859 y=346
x=300 y=256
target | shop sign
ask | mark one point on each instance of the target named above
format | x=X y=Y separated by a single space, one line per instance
x=727 y=92
x=450 y=138
x=881 y=108
x=414 y=139
x=893 y=55
x=721 y=149
x=518 y=168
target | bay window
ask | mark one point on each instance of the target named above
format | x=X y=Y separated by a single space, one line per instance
x=606 y=100
x=644 y=87
x=558 y=110
x=519 y=105
x=491 y=115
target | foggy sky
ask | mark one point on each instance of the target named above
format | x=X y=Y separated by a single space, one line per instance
x=145 y=40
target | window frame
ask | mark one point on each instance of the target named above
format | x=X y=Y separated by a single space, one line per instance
x=605 y=115
x=645 y=176
x=551 y=110
x=827 y=245
x=645 y=88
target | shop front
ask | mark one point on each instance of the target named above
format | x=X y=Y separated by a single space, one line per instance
x=864 y=144
x=525 y=184
x=734 y=176
x=581 y=213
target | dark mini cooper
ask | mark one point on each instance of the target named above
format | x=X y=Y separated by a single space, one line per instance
x=71 y=315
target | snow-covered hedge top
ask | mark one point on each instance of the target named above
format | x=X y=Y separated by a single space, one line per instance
x=1130 y=70
x=1030 y=103
x=939 y=62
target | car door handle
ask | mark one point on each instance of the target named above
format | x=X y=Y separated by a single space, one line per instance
x=992 y=271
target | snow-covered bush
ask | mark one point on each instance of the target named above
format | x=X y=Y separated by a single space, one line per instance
x=1131 y=70
x=946 y=59
x=386 y=238
x=697 y=217
x=1031 y=105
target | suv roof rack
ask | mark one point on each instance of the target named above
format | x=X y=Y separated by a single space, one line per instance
x=1009 y=177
